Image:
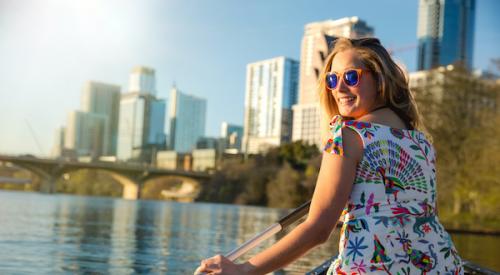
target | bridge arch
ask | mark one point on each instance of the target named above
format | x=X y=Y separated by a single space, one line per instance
x=104 y=181
x=130 y=185
x=172 y=187
x=131 y=177
x=46 y=179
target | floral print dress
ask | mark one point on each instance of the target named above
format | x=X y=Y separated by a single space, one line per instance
x=390 y=222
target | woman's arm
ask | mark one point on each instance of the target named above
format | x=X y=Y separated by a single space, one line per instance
x=331 y=193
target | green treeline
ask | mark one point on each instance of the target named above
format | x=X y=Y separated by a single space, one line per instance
x=20 y=174
x=284 y=177
x=462 y=114
x=89 y=182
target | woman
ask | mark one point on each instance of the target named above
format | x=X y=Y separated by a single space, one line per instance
x=377 y=166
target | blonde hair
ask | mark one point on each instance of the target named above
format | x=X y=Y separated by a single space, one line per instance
x=391 y=80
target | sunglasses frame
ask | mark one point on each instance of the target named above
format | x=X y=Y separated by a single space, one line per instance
x=358 y=71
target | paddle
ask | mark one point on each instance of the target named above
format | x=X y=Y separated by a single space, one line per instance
x=281 y=224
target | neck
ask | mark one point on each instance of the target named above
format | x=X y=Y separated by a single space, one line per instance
x=378 y=107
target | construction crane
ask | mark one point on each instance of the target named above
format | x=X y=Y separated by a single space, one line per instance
x=398 y=49
x=34 y=136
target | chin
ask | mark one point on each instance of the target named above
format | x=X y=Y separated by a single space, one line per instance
x=346 y=113
x=349 y=114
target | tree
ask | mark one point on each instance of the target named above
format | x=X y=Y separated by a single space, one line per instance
x=285 y=190
x=275 y=179
x=461 y=113
x=89 y=182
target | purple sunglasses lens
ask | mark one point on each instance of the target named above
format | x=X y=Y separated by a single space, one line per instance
x=351 y=77
x=331 y=81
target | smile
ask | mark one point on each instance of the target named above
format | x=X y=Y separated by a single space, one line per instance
x=347 y=99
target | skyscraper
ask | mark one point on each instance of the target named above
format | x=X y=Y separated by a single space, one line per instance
x=445 y=33
x=143 y=81
x=58 y=148
x=271 y=90
x=86 y=133
x=141 y=126
x=186 y=119
x=92 y=130
x=316 y=43
x=231 y=136
x=104 y=99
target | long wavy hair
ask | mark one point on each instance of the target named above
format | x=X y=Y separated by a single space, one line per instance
x=391 y=80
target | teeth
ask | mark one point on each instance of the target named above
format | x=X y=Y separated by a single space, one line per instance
x=344 y=100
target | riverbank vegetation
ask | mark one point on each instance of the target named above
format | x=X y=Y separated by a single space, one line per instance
x=462 y=113
x=90 y=183
x=284 y=177
x=86 y=182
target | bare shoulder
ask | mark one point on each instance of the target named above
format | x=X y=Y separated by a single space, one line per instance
x=371 y=118
x=353 y=145
x=379 y=117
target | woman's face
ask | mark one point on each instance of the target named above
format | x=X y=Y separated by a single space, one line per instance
x=358 y=100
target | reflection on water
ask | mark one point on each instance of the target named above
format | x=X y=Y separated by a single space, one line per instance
x=481 y=250
x=47 y=234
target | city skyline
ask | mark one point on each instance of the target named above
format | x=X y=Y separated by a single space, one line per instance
x=43 y=70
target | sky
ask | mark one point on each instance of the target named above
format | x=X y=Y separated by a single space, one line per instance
x=49 y=48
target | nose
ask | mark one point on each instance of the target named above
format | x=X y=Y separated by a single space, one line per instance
x=341 y=86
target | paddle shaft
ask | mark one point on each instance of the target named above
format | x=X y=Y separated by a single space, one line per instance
x=281 y=224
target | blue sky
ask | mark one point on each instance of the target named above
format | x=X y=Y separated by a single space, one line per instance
x=49 y=48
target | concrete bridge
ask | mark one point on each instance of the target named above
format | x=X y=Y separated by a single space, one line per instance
x=131 y=176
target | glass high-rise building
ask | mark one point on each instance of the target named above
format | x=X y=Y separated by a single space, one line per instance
x=445 y=33
x=104 y=99
x=316 y=45
x=186 y=116
x=91 y=131
x=86 y=133
x=271 y=90
x=141 y=126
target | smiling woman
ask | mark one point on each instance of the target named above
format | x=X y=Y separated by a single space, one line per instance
x=390 y=221
x=378 y=171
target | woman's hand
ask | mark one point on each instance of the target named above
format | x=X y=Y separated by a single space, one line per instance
x=219 y=265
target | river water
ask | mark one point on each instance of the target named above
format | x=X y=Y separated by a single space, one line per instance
x=53 y=234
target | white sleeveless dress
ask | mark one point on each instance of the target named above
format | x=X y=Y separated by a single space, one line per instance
x=390 y=224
